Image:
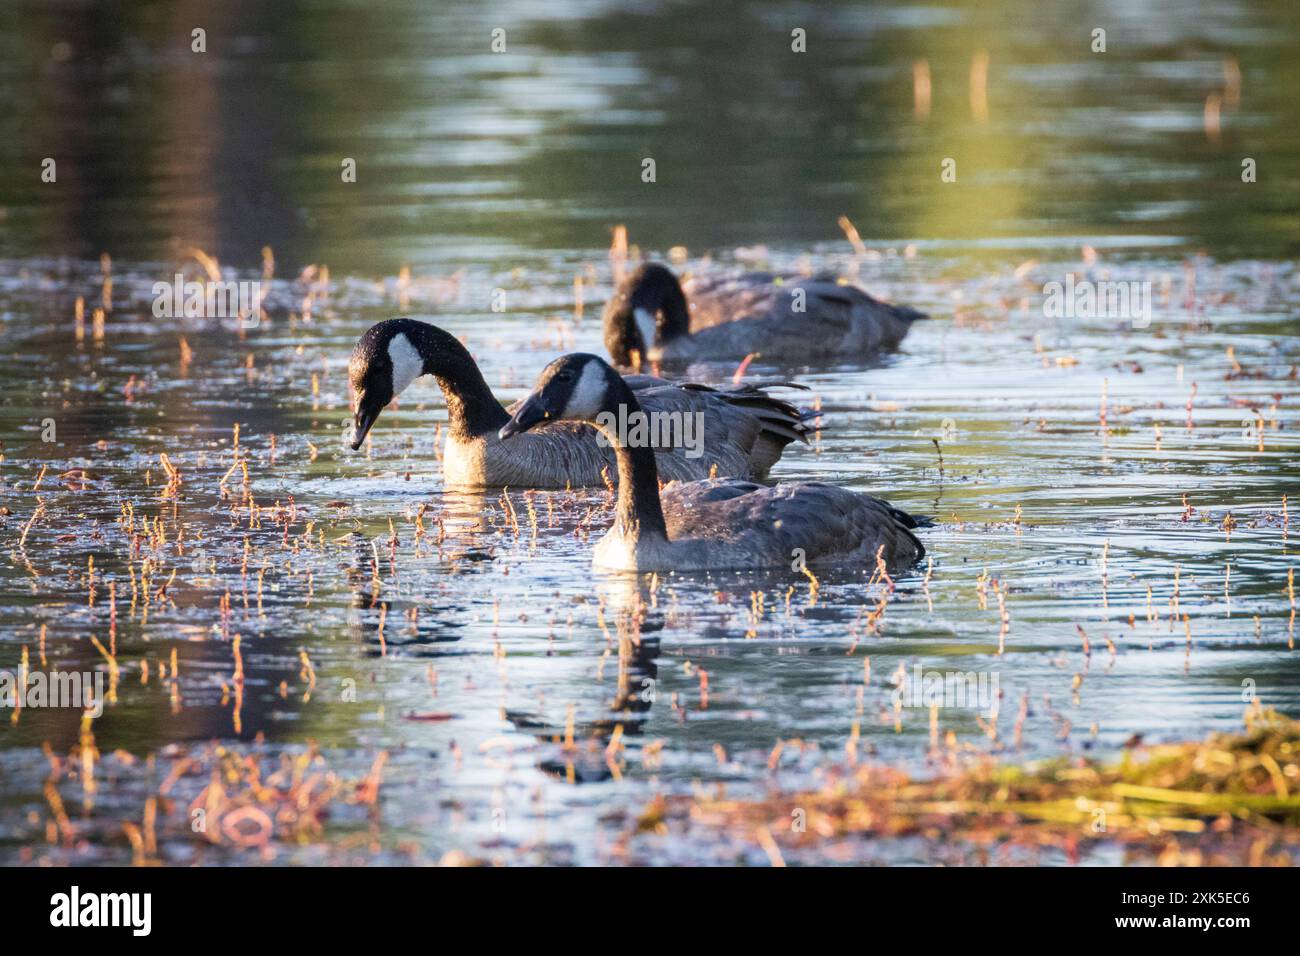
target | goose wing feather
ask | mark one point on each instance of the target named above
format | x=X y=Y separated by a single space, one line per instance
x=744 y=433
x=554 y=455
x=730 y=433
x=743 y=418
x=752 y=312
x=568 y=454
x=741 y=524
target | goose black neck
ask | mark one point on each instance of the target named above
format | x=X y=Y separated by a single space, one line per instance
x=638 y=512
x=676 y=313
x=472 y=409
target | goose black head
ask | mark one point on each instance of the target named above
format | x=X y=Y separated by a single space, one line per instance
x=574 y=387
x=384 y=362
x=647 y=310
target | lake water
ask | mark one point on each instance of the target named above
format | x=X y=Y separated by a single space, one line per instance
x=1114 y=477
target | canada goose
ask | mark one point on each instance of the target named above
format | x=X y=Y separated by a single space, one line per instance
x=737 y=430
x=789 y=319
x=716 y=523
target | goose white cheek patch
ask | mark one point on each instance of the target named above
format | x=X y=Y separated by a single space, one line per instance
x=588 y=395
x=407 y=364
x=646 y=325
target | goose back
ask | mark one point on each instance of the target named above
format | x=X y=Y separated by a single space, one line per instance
x=732 y=316
x=732 y=523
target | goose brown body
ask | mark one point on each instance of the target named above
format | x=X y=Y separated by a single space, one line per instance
x=790 y=319
x=806 y=522
x=717 y=523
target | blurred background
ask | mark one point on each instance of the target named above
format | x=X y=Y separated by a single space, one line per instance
x=466 y=154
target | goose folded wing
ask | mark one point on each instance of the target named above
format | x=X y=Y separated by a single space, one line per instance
x=824 y=522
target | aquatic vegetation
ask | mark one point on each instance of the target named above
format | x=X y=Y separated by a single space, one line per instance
x=1231 y=799
x=182 y=520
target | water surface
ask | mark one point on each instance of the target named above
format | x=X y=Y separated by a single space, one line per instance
x=1090 y=477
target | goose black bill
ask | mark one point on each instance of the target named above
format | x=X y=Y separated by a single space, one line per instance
x=365 y=418
x=530 y=413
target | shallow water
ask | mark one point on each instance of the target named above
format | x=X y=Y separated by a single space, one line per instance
x=468 y=652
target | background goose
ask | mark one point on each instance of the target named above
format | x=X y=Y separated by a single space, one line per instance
x=718 y=523
x=718 y=318
x=744 y=428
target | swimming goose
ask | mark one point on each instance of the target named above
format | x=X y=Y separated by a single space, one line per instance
x=717 y=318
x=739 y=430
x=716 y=523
